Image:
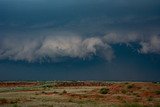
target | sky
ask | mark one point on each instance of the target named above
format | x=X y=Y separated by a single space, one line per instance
x=112 y=40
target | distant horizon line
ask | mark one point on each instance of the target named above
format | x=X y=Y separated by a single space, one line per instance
x=78 y=81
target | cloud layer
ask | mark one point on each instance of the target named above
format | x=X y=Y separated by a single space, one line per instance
x=95 y=26
x=151 y=46
x=148 y=43
x=53 y=47
x=71 y=45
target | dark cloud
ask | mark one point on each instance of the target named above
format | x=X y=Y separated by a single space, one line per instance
x=88 y=39
x=54 y=46
x=38 y=48
x=93 y=27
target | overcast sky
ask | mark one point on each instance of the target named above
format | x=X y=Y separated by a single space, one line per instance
x=80 y=40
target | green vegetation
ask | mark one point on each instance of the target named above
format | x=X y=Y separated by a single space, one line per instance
x=157 y=92
x=64 y=92
x=156 y=82
x=133 y=105
x=130 y=86
x=47 y=86
x=149 y=99
x=104 y=90
x=15 y=105
x=41 y=86
x=120 y=98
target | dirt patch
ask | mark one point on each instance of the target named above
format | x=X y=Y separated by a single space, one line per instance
x=18 y=84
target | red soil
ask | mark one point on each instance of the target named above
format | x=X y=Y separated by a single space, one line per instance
x=17 y=84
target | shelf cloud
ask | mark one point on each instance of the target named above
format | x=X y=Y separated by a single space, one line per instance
x=39 y=48
x=54 y=47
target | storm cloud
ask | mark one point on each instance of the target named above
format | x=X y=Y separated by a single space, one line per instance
x=59 y=45
x=73 y=46
x=27 y=28
x=148 y=43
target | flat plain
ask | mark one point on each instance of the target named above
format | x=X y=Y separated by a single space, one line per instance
x=79 y=94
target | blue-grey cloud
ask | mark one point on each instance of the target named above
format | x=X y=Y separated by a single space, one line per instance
x=151 y=46
x=59 y=45
x=148 y=43
x=27 y=28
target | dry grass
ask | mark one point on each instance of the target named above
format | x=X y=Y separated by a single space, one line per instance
x=51 y=95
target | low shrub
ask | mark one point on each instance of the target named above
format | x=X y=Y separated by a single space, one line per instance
x=64 y=92
x=104 y=90
x=149 y=99
x=130 y=86
x=157 y=92
x=47 y=86
x=15 y=105
x=132 y=105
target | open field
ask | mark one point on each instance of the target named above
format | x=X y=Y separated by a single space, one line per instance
x=79 y=94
